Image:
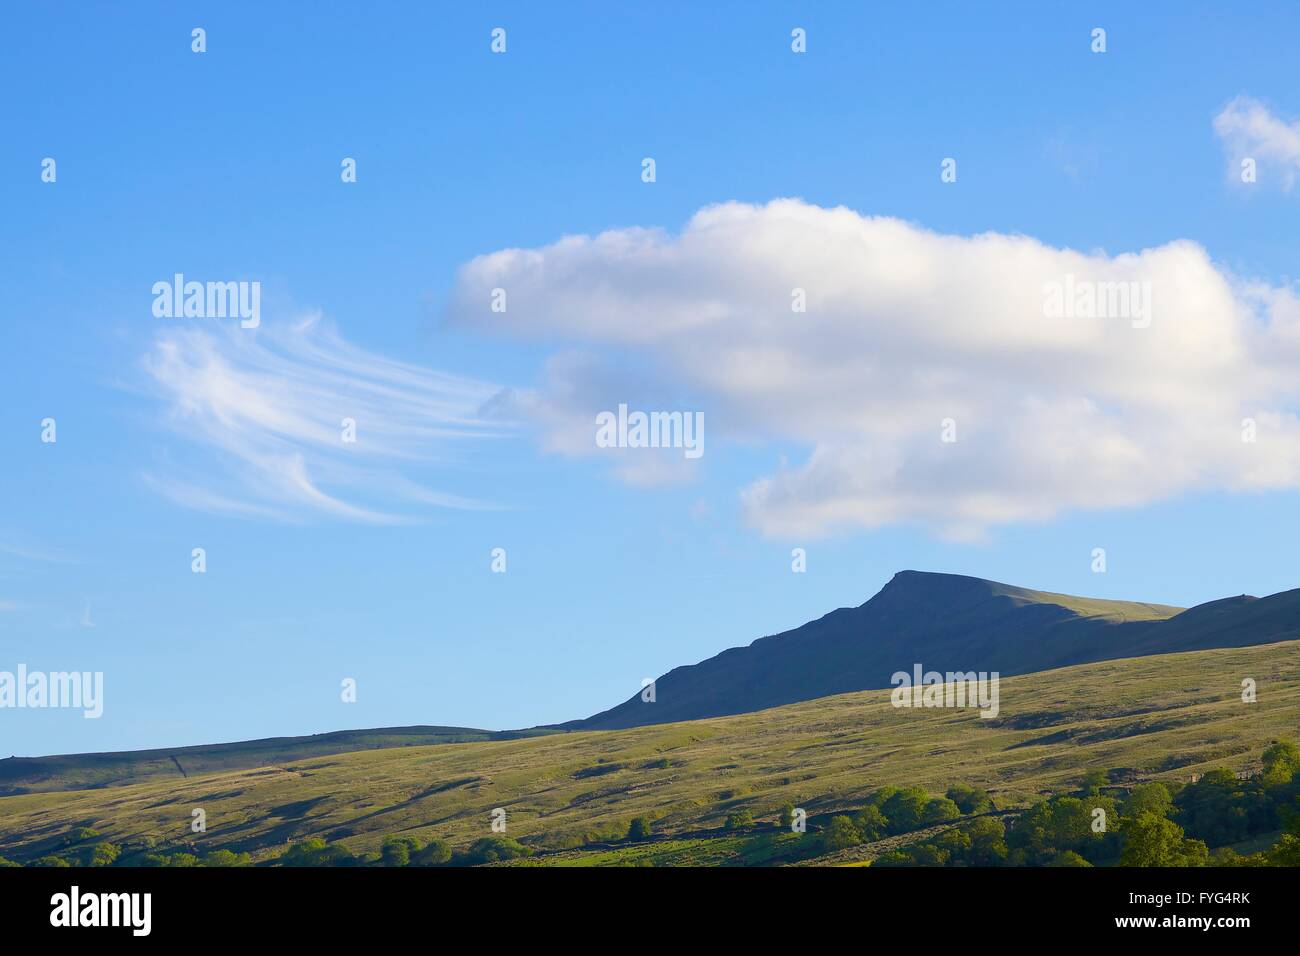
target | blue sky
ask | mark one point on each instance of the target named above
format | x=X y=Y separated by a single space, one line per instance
x=225 y=166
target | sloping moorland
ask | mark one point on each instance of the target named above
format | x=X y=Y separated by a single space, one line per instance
x=86 y=771
x=1159 y=717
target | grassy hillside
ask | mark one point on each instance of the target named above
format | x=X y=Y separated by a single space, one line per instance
x=1166 y=716
x=82 y=771
x=1116 y=612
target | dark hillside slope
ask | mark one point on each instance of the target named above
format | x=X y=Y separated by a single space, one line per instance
x=945 y=622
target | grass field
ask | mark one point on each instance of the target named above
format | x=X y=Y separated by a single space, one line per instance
x=1166 y=716
x=85 y=771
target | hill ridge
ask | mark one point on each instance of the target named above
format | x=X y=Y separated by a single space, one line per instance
x=936 y=618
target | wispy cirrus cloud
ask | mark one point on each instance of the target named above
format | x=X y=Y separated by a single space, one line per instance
x=1249 y=129
x=904 y=329
x=263 y=415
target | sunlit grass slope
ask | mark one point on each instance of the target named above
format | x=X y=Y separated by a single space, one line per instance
x=1163 y=716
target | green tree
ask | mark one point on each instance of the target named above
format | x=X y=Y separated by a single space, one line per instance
x=969 y=799
x=433 y=853
x=882 y=796
x=956 y=843
x=639 y=829
x=1286 y=852
x=1030 y=838
x=1094 y=780
x=1193 y=853
x=988 y=844
x=905 y=808
x=927 y=854
x=1151 y=840
x=785 y=816
x=1227 y=856
x=396 y=851
x=1103 y=840
x=1068 y=858
x=871 y=823
x=1281 y=761
x=1221 y=809
x=1148 y=798
x=893 y=858
x=840 y=834
x=51 y=861
x=1071 y=824
x=939 y=810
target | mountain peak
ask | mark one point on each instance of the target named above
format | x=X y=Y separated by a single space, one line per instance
x=955 y=592
x=959 y=591
x=940 y=581
x=940 y=620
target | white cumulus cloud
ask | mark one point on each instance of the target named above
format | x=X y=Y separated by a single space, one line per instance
x=1249 y=129
x=904 y=329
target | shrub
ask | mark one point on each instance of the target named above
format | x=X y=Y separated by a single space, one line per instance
x=492 y=849
x=103 y=854
x=225 y=858
x=169 y=859
x=739 y=820
x=81 y=835
x=316 y=852
x=639 y=828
